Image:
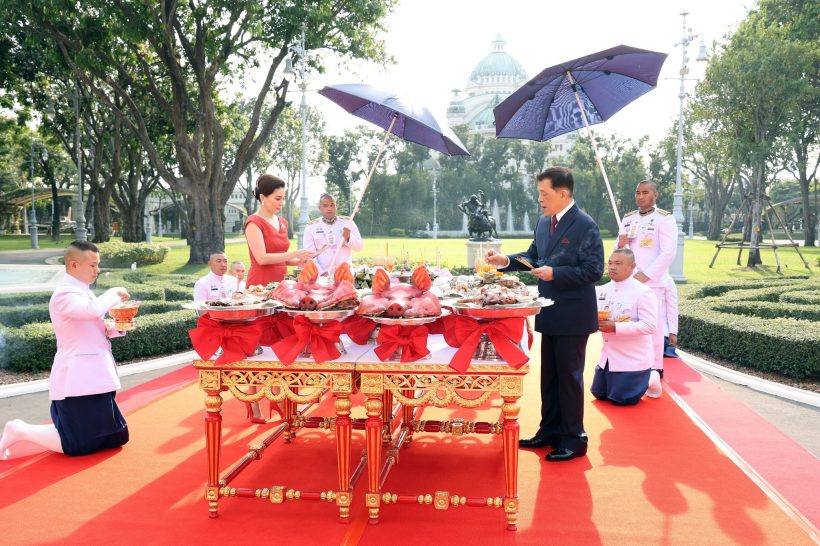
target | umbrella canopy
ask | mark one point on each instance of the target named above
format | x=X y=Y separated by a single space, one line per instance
x=546 y=106
x=395 y=113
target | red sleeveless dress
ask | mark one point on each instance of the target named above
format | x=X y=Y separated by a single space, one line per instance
x=275 y=242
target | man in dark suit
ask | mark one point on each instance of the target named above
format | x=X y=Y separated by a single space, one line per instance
x=568 y=258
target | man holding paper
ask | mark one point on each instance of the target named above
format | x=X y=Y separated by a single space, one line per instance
x=325 y=234
x=567 y=256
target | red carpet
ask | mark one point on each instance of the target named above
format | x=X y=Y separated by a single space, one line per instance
x=652 y=476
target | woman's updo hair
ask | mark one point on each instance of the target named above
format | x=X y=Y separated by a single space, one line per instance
x=267 y=184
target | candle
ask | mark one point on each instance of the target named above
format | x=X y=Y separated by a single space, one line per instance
x=386 y=251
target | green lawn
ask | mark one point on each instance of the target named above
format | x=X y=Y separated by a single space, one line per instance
x=23 y=242
x=697 y=255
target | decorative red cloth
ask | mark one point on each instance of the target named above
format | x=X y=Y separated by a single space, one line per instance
x=275 y=242
x=322 y=340
x=411 y=339
x=505 y=335
x=437 y=327
x=358 y=328
x=238 y=341
x=275 y=328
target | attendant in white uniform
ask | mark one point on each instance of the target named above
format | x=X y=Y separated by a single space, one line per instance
x=216 y=284
x=651 y=233
x=623 y=371
x=324 y=235
x=84 y=377
x=238 y=272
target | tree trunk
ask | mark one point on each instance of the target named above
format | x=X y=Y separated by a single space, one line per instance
x=809 y=214
x=102 y=214
x=755 y=234
x=207 y=221
x=133 y=227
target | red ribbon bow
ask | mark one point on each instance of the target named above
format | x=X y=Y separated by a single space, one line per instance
x=321 y=338
x=358 y=328
x=275 y=328
x=238 y=341
x=505 y=335
x=411 y=339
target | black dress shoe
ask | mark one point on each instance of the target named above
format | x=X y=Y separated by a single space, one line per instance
x=537 y=441
x=563 y=454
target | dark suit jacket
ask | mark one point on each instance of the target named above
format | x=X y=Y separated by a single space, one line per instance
x=576 y=254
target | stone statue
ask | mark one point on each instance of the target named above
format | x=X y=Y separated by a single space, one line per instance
x=480 y=226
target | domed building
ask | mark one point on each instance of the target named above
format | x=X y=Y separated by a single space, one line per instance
x=495 y=77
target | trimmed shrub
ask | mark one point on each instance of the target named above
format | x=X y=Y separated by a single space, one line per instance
x=118 y=254
x=32 y=346
x=29 y=298
x=800 y=297
x=744 y=322
x=397 y=232
x=18 y=316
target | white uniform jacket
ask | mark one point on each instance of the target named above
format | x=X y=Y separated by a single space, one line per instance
x=633 y=307
x=321 y=236
x=653 y=240
x=83 y=363
x=213 y=287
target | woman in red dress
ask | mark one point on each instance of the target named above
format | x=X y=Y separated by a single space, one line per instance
x=267 y=236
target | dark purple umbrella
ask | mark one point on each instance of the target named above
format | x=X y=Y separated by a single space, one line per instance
x=578 y=93
x=396 y=114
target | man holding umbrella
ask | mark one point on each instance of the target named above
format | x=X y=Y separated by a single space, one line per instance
x=567 y=256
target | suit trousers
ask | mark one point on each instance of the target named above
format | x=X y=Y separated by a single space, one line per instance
x=657 y=337
x=562 y=390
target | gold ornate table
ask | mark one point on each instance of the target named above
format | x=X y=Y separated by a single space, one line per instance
x=433 y=382
x=302 y=382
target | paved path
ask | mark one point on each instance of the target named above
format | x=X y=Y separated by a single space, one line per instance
x=28 y=257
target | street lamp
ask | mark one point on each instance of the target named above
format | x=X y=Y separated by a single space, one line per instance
x=32 y=229
x=298 y=51
x=676 y=270
x=433 y=166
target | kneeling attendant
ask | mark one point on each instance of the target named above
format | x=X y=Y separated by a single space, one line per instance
x=627 y=319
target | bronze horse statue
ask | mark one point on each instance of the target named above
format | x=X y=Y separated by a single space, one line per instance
x=480 y=225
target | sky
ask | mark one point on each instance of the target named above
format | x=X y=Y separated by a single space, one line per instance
x=437 y=43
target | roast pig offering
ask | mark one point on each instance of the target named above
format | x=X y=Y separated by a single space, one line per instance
x=401 y=300
x=308 y=294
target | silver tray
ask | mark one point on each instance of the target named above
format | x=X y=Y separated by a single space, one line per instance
x=403 y=321
x=321 y=316
x=236 y=313
x=500 y=311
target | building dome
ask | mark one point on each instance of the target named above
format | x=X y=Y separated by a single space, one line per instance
x=498 y=66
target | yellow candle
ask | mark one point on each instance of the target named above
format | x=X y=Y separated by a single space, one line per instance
x=386 y=252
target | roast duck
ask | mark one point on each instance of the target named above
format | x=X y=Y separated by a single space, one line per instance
x=307 y=294
x=506 y=290
x=401 y=300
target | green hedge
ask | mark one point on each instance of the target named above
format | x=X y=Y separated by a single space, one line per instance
x=28 y=298
x=32 y=347
x=731 y=321
x=800 y=297
x=25 y=314
x=119 y=254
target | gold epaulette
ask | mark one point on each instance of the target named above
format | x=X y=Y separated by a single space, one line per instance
x=630 y=213
x=664 y=212
x=314 y=220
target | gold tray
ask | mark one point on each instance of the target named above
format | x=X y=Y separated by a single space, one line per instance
x=321 y=316
x=491 y=312
x=407 y=321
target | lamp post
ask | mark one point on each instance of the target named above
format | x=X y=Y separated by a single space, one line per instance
x=160 y=230
x=676 y=270
x=692 y=216
x=298 y=51
x=80 y=232
x=32 y=227
x=433 y=166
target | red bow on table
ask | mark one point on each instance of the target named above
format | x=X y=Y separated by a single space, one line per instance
x=322 y=340
x=412 y=340
x=505 y=335
x=275 y=328
x=238 y=341
x=358 y=329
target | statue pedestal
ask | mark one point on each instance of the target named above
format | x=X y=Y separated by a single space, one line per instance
x=477 y=249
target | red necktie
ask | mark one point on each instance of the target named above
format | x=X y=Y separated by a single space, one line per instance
x=553 y=224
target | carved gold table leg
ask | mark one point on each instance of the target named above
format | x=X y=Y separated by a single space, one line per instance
x=213 y=442
x=341 y=385
x=290 y=408
x=372 y=386
x=511 y=389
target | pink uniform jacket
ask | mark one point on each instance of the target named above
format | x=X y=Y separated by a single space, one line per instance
x=83 y=363
x=634 y=307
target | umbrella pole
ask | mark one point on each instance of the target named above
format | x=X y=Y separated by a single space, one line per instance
x=595 y=150
x=364 y=189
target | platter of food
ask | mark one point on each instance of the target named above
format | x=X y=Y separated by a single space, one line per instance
x=238 y=308
x=502 y=311
x=409 y=321
x=320 y=315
